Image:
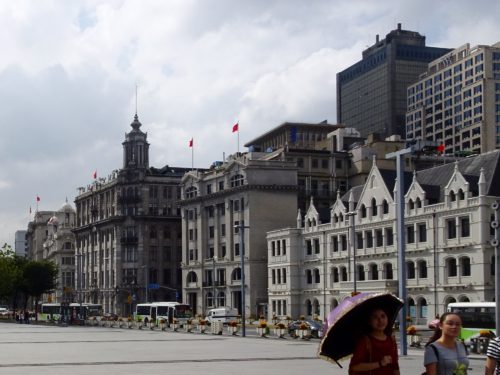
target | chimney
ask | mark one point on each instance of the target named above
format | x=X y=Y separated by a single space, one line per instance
x=399 y=26
x=376 y=38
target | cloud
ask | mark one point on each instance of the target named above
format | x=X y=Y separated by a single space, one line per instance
x=69 y=70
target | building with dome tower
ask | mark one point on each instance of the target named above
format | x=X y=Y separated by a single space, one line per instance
x=128 y=232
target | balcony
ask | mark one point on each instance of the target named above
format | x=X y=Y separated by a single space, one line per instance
x=129 y=199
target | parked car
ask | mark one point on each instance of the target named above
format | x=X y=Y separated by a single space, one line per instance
x=315 y=327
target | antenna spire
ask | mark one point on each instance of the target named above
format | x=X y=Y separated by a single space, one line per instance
x=136 y=98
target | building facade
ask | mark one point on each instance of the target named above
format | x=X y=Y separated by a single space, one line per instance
x=59 y=248
x=37 y=234
x=243 y=194
x=456 y=101
x=128 y=232
x=371 y=94
x=20 y=243
x=314 y=266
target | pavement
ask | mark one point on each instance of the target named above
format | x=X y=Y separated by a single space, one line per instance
x=45 y=349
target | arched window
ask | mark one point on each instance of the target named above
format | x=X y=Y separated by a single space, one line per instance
x=422 y=269
x=449 y=300
x=451 y=267
x=385 y=207
x=422 y=308
x=316 y=307
x=308 y=307
x=465 y=266
x=411 y=204
x=418 y=203
x=316 y=276
x=363 y=210
x=463 y=299
x=410 y=270
x=412 y=312
x=309 y=278
x=374 y=207
x=343 y=273
x=334 y=304
x=361 y=272
x=388 y=271
x=237 y=180
x=373 y=272
x=461 y=195
x=236 y=275
x=341 y=217
x=191 y=277
x=453 y=198
x=335 y=218
x=335 y=274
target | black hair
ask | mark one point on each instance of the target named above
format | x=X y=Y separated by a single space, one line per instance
x=438 y=332
x=368 y=328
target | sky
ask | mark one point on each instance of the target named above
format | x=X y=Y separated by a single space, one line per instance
x=69 y=72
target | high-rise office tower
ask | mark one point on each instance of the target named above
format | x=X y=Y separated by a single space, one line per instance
x=457 y=101
x=371 y=94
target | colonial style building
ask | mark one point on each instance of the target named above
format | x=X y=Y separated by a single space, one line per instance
x=246 y=193
x=315 y=265
x=128 y=232
x=457 y=100
x=37 y=234
x=59 y=247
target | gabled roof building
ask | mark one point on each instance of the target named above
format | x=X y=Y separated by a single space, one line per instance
x=448 y=253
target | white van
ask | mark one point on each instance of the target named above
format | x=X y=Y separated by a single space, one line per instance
x=222 y=314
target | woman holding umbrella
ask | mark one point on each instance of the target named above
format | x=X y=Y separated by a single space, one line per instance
x=376 y=352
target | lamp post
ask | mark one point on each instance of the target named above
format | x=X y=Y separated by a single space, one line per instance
x=352 y=215
x=241 y=229
x=213 y=281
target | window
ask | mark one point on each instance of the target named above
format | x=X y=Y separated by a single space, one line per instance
x=422 y=232
x=374 y=272
x=359 y=240
x=236 y=249
x=343 y=241
x=308 y=276
x=317 y=279
x=335 y=275
x=316 y=246
x=410 y=234
x=335 y=244
x=308 y=247
x=465 y=227
x=385 y=207
x=389 y=236
x=451 y=267
x=374 y=207
x=283 y=247
x=283 y=275
x=211 y=231
x=422 y=269
x=273 y=276
x=363 y=210
x=237 y=180
x=410 y=270
x=465 y=266
x=379 y=238
x=361 y=272
x=388 y=271
x=369 y=239
x=273 y=248
x=451 y=228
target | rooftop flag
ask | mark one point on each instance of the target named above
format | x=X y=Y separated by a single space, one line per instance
x=94 y=175
x=37 y=198
x=235 y=127
x=191 y=142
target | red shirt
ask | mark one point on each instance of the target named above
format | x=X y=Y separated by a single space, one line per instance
x=379 y=349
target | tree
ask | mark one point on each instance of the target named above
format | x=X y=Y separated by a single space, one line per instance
x=39 y=277
x=8 y=274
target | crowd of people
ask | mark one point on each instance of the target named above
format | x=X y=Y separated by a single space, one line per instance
x=445 y=354
x=22 y=316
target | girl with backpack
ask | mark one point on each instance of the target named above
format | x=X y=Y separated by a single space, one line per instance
x=444 y=354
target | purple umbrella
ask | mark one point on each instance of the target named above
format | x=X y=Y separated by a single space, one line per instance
x=349 y=321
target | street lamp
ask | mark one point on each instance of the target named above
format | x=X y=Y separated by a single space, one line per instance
x=352 y=215
x=213 y=281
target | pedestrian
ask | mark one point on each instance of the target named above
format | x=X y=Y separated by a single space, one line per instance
x=434 y=323
x=444 y=354
x=493 y=357
x=26 y=317
x=376 y=351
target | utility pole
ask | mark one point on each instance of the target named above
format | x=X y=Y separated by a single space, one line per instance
x=494 y=242
x=241 y=230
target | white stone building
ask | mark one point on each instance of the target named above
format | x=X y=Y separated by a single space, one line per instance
x=448 y=254
x=262 y=195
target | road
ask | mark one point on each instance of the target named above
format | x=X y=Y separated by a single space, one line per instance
x=43 y=350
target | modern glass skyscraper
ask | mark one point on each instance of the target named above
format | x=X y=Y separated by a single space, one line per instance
x=371 y=94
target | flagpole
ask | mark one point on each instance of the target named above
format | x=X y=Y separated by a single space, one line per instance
x=192 y=156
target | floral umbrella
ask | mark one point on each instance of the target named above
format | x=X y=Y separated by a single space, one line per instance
x=347 y=321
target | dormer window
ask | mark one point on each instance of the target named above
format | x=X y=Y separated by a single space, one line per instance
x=237 y=180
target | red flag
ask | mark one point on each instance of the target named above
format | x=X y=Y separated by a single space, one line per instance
x=440 y=148
x=94 y=174
x=235 y=127
x=191 y=142
x=37 y=198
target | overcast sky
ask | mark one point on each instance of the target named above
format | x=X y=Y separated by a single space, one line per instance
x=69 y=69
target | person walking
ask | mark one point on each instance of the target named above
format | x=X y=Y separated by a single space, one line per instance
x=444 y=354
x=493 y=357
x=376 y=353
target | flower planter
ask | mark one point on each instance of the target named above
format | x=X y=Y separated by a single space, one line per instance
x=175 y=327
x=280 y=332
x=304 y=334
x=188 y=328
x=414 y=341
x=129 y=324
x=151 y=324
x=139 y=324
x=232 y=330
x=162 y=325
x=202 y=328
x=261 y=331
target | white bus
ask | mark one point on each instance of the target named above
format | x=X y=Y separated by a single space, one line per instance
x=475 y=316
x=163 y=310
